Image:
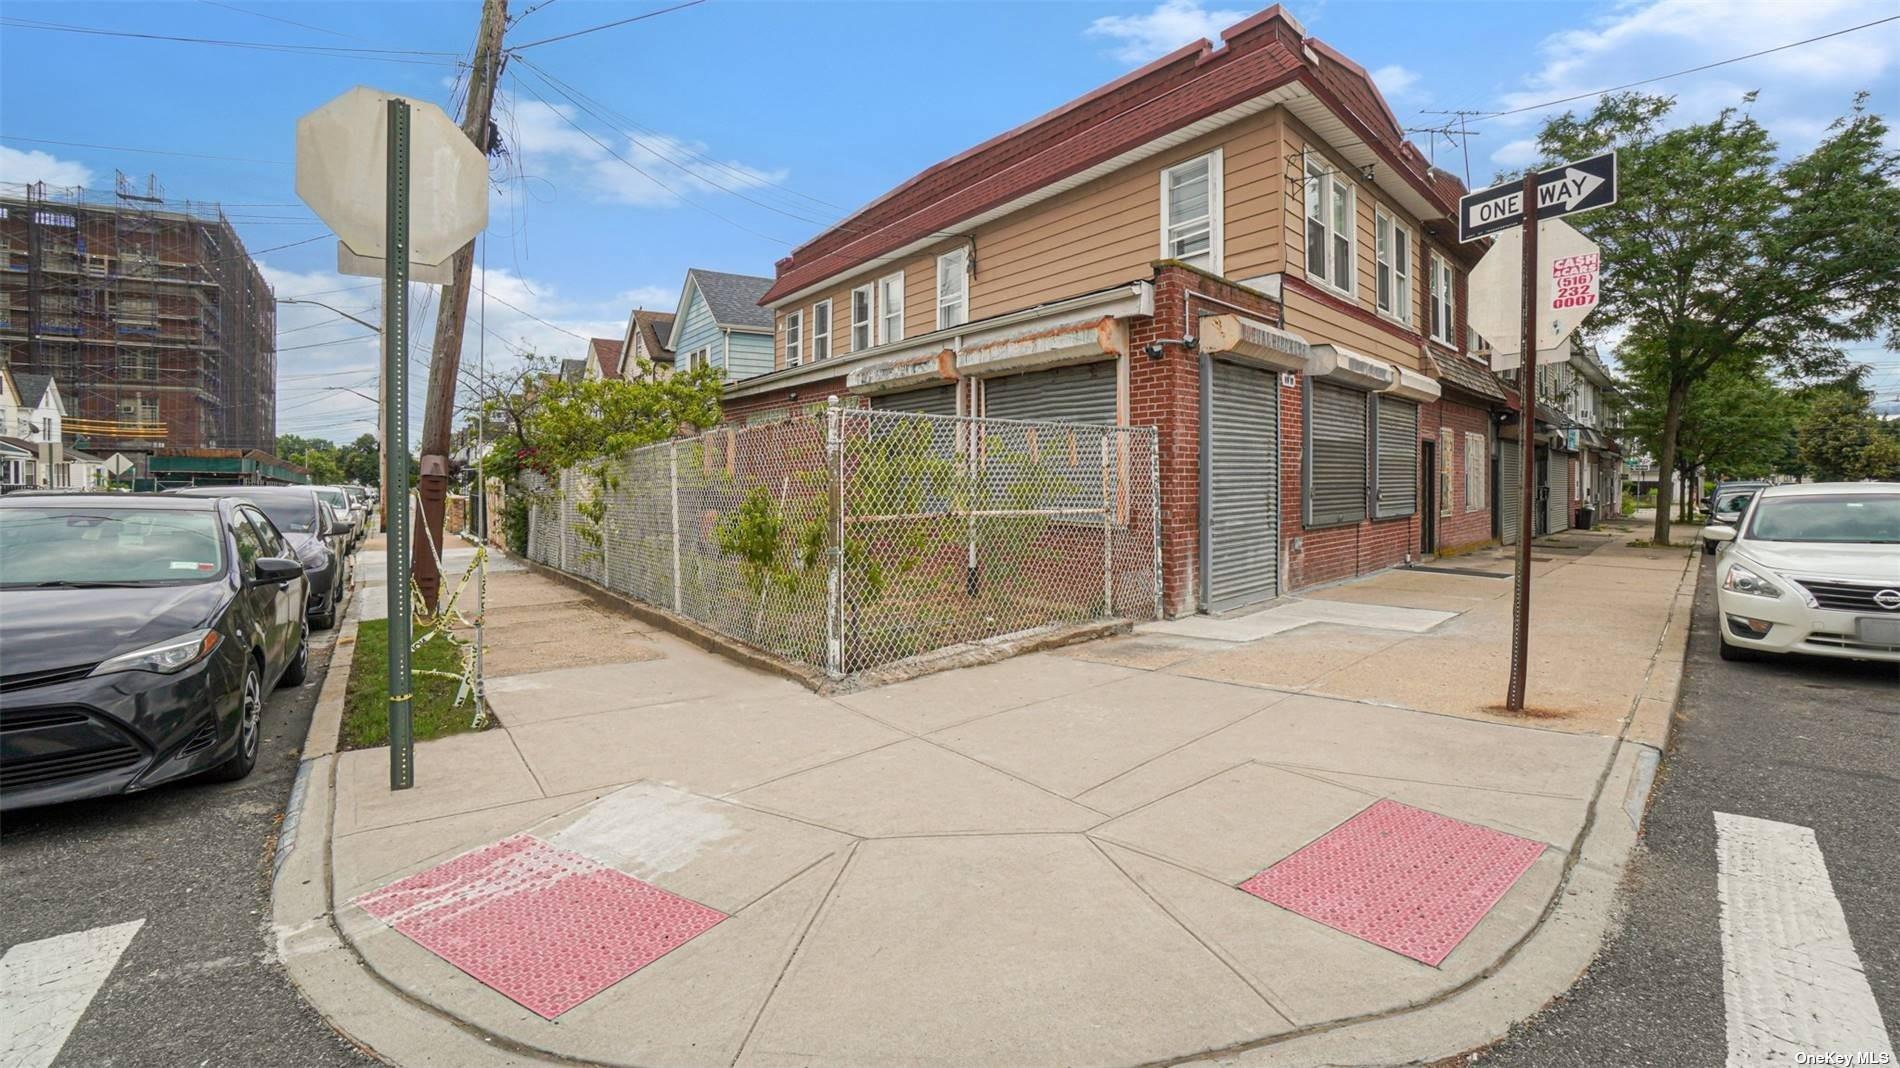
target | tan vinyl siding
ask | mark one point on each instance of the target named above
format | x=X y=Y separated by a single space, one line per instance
x=1318 y=321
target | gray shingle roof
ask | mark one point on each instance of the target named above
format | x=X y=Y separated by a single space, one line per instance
x=734 y=298
x=32 y=388
x=573 y=370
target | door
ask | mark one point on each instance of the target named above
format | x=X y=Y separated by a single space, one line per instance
x=1428 y=497
x=1510 y=491
x=1240 y=486
x=288 y=610
x=932 y=400
x=1540 y=513
x=258 y=618
x=1557 y=511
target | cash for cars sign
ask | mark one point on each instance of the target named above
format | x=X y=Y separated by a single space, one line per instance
x=1569 y=266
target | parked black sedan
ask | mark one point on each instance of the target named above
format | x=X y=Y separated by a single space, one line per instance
x=141 y=635
x=318 y=540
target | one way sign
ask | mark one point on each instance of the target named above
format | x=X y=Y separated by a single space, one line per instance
x=1579 y=186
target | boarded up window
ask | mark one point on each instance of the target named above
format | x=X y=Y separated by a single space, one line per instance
x=1475 y=464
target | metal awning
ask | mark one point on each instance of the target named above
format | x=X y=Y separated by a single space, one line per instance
x=1413 y=386
x=1047 y=346
x=904 y=373
x=1332 y=363
x=1243 y=340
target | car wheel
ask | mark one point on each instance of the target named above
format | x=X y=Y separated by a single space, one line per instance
x=250 y=728
x=1708 y=548
x=299 y=666
x=325 y=619
x=1733 y=653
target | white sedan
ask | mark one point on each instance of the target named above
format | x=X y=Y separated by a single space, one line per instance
x=1812 y=569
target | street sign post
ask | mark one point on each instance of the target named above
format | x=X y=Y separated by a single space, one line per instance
x=399 y=183
x=1554 y=291
x=1572 y=187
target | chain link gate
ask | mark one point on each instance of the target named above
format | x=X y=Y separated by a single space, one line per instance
x=850 y=538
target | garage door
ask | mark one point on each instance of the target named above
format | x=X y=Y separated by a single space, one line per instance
x=1082 y=394
x=1242 y=548
x=936 y=400
x=1510 y=490
x=1557 y=512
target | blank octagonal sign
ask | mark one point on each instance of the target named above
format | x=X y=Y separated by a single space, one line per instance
x=342 y=162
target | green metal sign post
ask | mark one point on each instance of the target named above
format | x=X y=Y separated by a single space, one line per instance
x=402 y=739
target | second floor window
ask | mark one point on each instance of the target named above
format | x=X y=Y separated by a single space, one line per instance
x=1191 y=212
x=890 y=308
x=794 y=337
x=1394 y=268
x=1441 y=297
x=1329 y=225
x=953 y=288
x=821 y=330
x=861 y=318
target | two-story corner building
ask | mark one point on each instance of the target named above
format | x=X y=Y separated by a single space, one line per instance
x=644 y=345
x=721 y=322
x=1233 y=244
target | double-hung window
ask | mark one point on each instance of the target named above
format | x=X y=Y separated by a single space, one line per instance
x=794 y=338
x=821 y=331
x=1191 y=212
x=1439 y=274
x=1329 y=225
x=953 y=288
x=861 y=318
x=1394 y=270
x=890 y=308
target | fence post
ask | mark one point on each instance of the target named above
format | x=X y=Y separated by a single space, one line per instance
x=834 y=582
x=1154 y=507
x=564 y=523
x=1108 y=531
x=673 y=468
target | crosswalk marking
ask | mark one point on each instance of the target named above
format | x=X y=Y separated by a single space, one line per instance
x=46 y=985
x=1792 y=984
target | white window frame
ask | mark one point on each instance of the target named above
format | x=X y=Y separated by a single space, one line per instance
x=1323 y=187
x=890 y=290
x=1477 y=492
x=1216 y=211
x=1443 y=294
x=960 y=258
x=699 y=357
x=862 y=329
x=1387 y=228
x=821 y=339
x=794 y=338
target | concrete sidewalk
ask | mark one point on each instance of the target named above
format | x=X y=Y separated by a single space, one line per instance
x=1030 y=862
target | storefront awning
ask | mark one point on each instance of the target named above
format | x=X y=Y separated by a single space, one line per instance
x=1244 y=340
x=1049 y=346
x=909 y=372
x=1348 y=368
x=1413 y=386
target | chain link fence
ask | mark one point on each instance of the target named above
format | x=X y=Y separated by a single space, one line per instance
x=849 y=538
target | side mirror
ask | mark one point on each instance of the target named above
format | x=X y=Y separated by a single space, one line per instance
x=344 y=526
x=269 y=569
x=1718 y=532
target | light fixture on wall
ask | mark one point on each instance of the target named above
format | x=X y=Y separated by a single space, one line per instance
x=1365 y=172
x=1154 y=348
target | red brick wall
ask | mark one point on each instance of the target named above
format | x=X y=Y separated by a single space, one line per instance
x=799 y=396
x=1462 y=528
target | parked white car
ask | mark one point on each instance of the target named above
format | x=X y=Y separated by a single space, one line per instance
x=1812 y=569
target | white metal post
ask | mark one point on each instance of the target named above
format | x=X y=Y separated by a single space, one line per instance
x=834 y=582
x=1108 y=532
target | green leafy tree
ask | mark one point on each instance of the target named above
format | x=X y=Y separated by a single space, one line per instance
x=360 y=461
x=1718 y=254
x=1842 y=440
x=1738 y=423
x=322 y=465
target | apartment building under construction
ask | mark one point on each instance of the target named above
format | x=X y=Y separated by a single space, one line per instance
x=155 y=322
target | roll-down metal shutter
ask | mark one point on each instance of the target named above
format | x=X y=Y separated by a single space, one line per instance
x=932 y=400
x=1510 y=490
x=1397 y=458
x=1081 y=394
x=1243 y=486
x=1336 y=455
x=1557 y=512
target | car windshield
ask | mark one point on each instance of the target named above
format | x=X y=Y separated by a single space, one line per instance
x=1847 y=518
x=1733 y=501
x=81 y=544
x=294 y=513
x=336 y=499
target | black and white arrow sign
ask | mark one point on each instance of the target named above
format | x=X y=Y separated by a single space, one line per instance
x=1579 y=186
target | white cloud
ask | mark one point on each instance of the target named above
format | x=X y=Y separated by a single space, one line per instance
x=652 y=298
x=1395 y=81
x=36 y=166
x=1173 y=23
x=1641 y=39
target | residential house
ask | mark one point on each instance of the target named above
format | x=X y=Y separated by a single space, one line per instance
x=603 y=359
x=720 y=323
x=1235 y=245
x=572 y=369
x=645 y=344
x=32 y=413
x=1577 y=462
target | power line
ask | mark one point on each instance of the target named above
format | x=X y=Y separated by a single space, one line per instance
x=390 y=55
x=147 y=151
x=606 y=25
x=285 y=21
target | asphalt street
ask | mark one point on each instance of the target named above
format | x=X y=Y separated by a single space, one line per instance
x=199 y=983
x=1810 y=742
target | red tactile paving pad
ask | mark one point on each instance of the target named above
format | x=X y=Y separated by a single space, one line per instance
x=544 y=926
x=1400 y=877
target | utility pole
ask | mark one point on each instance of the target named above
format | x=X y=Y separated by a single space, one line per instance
x=438 y=412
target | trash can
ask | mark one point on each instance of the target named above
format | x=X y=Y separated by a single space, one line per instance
x=1586 y=515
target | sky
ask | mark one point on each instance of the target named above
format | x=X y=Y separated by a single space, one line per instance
x=725 y=133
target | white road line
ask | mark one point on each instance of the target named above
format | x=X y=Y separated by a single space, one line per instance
x=1791 y=981
x=46 y=985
